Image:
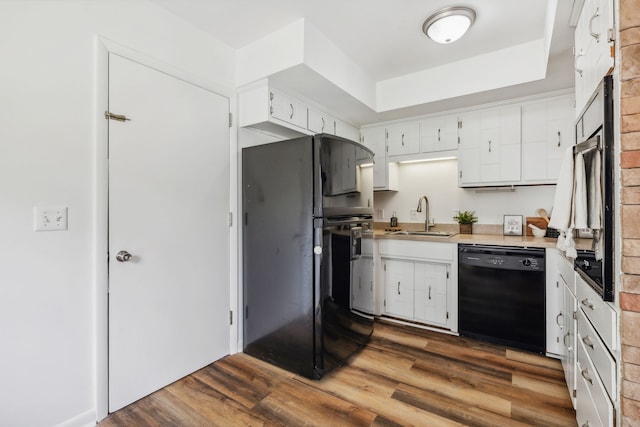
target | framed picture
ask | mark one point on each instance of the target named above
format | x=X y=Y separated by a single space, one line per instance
x=512 y=225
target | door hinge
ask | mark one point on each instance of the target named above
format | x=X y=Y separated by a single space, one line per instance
x=447 y=314
x=230 y=219
x=574 y=393
x=460 y=174
x=575 y=315
x=447 y=274
x=385 y=267
x=459 y=124
x=458 y=140
x=118 y=117
x=231 y=317
x=384 y=303
x=230 y=119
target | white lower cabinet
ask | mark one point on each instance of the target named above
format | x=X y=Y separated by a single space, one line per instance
x=363 y=295
x=555 y=310
x=420 y=282
x=569 y=358
x=399 y=288
x=589 y=361
x=362 y=298
x=430 y=293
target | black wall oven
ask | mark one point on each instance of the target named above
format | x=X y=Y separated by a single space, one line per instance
x=594 y=133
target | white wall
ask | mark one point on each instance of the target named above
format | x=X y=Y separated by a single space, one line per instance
x=47 y=143
x=438 y=181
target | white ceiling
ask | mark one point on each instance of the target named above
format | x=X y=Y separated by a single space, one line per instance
x=384 y=37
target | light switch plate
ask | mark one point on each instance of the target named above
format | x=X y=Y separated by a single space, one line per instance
x=50 y=218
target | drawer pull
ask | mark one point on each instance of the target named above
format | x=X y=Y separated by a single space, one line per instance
x=588 y=342
x=398 y=288
x=557 y=320
x=587 y=303
x=585 y=375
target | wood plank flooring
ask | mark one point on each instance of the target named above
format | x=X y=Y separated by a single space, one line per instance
x=404 y=377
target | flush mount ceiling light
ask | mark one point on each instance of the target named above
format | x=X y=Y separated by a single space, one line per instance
x=449 y=24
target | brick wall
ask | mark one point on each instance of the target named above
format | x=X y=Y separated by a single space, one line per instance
x=629 y=66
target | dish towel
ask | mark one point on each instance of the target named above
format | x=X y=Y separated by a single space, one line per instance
x=595 y=203
x=561 y=215
x=580 y=212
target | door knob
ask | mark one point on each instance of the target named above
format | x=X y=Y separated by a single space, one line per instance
x=123 y=256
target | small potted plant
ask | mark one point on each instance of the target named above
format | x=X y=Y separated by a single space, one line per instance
x=465 y=219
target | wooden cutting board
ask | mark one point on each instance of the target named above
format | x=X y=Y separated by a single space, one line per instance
x=538 y=221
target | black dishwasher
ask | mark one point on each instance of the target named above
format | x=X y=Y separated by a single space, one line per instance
x=501 y=295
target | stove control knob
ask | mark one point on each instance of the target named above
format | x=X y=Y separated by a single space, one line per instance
x=526 y=262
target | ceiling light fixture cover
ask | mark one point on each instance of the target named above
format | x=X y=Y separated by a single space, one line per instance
x=449 y=24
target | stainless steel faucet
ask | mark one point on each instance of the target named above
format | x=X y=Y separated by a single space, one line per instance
x=419 y=209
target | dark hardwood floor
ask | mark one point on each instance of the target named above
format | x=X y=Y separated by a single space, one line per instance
x=404 y=377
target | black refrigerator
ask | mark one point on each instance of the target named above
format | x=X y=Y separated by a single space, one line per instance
x=307 y=206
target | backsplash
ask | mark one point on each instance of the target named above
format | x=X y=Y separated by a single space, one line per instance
x=439 y=182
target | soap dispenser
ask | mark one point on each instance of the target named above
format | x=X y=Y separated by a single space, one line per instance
x=394 y=220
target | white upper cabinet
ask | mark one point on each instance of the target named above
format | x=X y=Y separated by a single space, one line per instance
x=403 y=139
x=320 y=122
x=385 y=174
x=547 y=131
x=287 y=109
x=493 y=158
x=274 y=112
x=345 y=130
x=439 y=134
x=594 y=47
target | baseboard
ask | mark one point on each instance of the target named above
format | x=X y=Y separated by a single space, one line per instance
x=85 y=419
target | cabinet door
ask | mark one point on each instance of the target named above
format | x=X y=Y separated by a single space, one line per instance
x=288 y=109
x=362 y=282
x=555 y=316
x=403 y=139
x=569 y=359
x=469 y=149
x=439 y=134
x=345 y=130
x=385 y=175
x=547 y=131
x=320 y=122
x=399 y=288
x=430 y=303
x=490 y=150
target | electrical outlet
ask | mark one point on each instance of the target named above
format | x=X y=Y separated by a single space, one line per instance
x=413 y=214
x=380 y=213
x=50 y=219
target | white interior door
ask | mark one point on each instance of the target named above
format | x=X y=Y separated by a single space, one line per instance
x=168 y=207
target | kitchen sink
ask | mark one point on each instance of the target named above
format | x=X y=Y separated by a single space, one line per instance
x=423 y=233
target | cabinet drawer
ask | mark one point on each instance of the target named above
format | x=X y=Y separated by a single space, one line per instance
x=592 y=399
x=602 y=361
x=417 y=250
x=601 y=314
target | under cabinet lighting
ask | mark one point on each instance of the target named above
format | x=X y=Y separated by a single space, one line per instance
x=449 y=24
x=437 y=159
